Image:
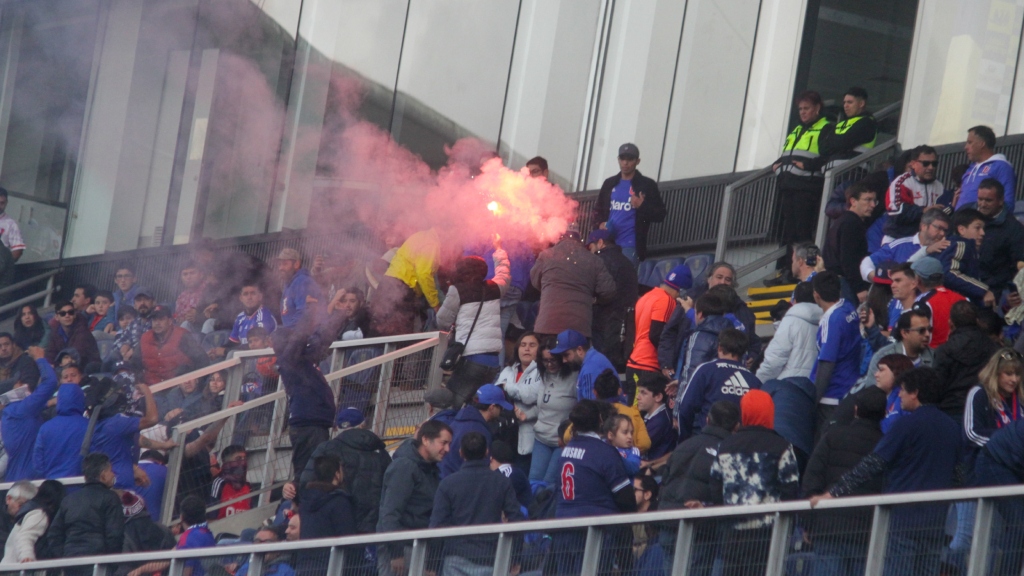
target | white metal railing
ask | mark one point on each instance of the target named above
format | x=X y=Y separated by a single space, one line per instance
x=393 y=349
x=683 y=522
x=69 y=481
x=45 y=293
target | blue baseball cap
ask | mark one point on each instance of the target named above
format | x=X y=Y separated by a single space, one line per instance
x=927 y=267
x=567 y=340
x=598 y=235
x=680 y=278
x=349 y=418
x=491 y=394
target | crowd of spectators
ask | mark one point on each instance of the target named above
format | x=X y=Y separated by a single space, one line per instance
x=572 y=390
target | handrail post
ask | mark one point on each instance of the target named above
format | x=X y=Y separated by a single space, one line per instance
x=418 y=558
x=879 y=539
x=173 y=477
x=779 y=543
x=826 y=193
x=255 y=564
x=337 y=561
x=277 y=419
x=503 y=554
x=592 y=551
x=232 y=391
x=100 y=570
x=723 y=223
x=49 y=292
x=177 y=567
x=383 y=395
x=684 y=548
x=981 y=542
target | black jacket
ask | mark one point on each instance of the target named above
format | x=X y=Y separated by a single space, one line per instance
x=142 y=534
x=845 y=247
x=326 y=511
x=958 y=362
x=834 y=146
x=89 y=521
x=1001 y=249
x=838 y=452
x=844 y=412
x=626 y=283
x=409 y=487
x=364 y=459
x=651 y=211
x=299 y=352
x=474 y=495
x=688 y=476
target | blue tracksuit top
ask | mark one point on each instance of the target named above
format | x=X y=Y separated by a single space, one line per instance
x=995 y=167
x=293 y=301
x=20 y=425
x=467 y=420
x=712 y=381
x=594 y=363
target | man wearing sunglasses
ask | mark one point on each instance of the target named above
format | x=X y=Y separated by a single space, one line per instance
x=71 y=330
x=913 y=332
x=910 y=193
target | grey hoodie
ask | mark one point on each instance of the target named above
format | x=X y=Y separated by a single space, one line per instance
x=794 y=349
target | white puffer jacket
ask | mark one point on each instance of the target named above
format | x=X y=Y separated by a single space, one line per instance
x=794 y=348
x=525 y=393
x=460 y=307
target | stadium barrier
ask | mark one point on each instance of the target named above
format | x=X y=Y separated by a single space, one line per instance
x=385 y=378
x=866 y=532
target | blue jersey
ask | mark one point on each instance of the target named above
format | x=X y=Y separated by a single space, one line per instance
x=198 y=536
x=594 y=363
x=893 y=410
x=896 y=310
x=293 y=301
x=590 y=473
x=995 y=167
x=898 y=251
x=116 y=436
x=621 y=216
x=839 y=342
x=262 y=318
x=711 y=382
x=663 y=435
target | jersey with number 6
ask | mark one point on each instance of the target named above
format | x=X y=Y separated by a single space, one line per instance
x=590 y=471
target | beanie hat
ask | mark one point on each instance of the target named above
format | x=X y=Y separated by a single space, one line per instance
x=680 y=278
x=757 y=409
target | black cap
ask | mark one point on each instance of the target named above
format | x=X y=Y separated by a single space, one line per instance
x=629 y=149
x=160 y=311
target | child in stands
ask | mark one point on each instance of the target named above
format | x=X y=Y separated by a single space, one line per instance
x=618 y=431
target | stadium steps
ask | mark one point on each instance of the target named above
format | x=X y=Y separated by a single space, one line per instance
x=761 y=300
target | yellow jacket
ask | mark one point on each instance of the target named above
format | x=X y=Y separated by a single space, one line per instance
x=415 y=263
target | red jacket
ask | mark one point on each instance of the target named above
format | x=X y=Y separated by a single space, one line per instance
x=940 y=301
x=177 y=354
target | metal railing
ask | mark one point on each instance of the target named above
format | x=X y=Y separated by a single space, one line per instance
x=851 y=170
x=45 y=294
x=388 y=374
x=690 y=541
x=749 y=219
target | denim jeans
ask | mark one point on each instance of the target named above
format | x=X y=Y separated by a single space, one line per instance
x=630 y=252
x=914 y=550
x=544 y=466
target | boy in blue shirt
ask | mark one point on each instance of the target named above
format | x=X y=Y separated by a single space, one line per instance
x=839 y=347
x=196 y=535
x=722 y=379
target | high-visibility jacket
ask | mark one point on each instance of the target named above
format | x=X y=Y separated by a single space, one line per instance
x=848 y=139
x=801 y=145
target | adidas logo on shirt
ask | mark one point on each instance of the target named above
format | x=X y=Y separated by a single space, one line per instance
x=735 y=385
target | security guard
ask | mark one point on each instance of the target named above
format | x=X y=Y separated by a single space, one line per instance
x=854 y=135
x=799 y=180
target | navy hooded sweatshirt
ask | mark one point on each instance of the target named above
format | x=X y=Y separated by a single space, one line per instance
x=469 y=419
x=59 y=443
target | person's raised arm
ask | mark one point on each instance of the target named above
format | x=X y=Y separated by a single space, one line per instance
x=151 y=416
x=36 y=401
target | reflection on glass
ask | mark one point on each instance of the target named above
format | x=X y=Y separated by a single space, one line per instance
x=548 y=86
x=453 y=74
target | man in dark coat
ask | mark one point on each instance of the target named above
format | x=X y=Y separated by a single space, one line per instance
x=473 y=495
x=410 y=484
x=610 y=318
x=15 y=365
x=628 y=204
x=569 y=277
x=364 y=459
x=90 y=521
x=960 y=358
x=1003 y=244
x=326 y=510
x=841 y=537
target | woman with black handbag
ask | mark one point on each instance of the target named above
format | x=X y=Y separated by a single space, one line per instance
x=473 y=306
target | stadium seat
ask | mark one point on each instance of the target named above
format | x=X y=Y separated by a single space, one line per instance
x=659 y=271
x=700 y=265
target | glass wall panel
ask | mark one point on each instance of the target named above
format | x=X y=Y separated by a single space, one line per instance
x=637 y=81
x=707 y=101
x=547 y=90
x=963 y=68
x=453 y=74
